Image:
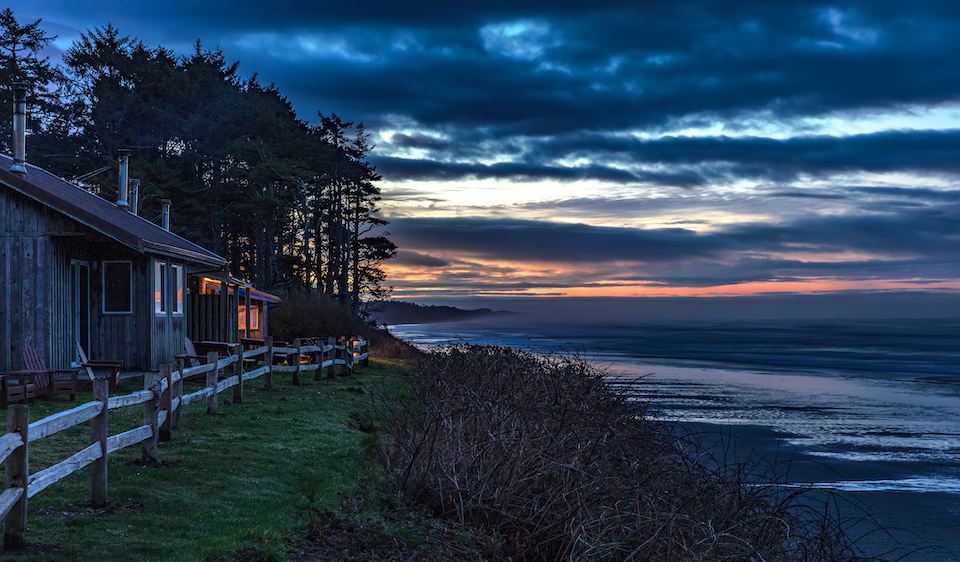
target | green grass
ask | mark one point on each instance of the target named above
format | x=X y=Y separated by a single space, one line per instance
x=232 y=481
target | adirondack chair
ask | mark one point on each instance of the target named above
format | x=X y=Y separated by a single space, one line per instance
x=59 y=386
x=89 y=366
x=191 y=357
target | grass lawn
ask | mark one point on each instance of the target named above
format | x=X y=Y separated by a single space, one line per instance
x=232 y=482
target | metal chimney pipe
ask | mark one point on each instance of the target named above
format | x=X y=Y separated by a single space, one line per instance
x=19 y=128
x=123 y=155
x=165 y=221
x=134 y=194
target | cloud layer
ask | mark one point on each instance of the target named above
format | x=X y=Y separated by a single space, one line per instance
x=543 y=145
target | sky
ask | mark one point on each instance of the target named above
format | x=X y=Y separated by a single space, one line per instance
x=620 y=148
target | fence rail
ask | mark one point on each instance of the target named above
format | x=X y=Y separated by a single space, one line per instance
x=163 y=401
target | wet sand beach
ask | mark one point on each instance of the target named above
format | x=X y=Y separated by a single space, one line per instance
x=905 y=525
x=869 y=409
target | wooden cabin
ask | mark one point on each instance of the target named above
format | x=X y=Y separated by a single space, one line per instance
x=75 y=267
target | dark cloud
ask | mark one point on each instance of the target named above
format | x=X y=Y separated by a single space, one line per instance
x=696 y=161
x=544 y=68
x=925 y=194
x=424 y=169
x=406 y=257
x=921 y=244
x=924 y=232
x=807 y=195
x=608 y=91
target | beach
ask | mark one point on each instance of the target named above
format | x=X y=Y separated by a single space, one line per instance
x=888 y=451
x=904 y=525
x=867 y=411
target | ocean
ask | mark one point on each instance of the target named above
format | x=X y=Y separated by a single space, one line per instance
x=871 y=406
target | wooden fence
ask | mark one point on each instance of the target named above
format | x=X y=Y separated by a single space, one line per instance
x=163 y=401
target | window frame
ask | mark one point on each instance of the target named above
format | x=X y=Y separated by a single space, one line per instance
x=179 y=295
x=254 y=317
x=160 y=288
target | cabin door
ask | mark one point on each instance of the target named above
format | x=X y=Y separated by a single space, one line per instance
x=80 y=303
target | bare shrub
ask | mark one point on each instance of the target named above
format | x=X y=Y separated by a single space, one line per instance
x=548 y=463
x=312 y=314
x=385 y=344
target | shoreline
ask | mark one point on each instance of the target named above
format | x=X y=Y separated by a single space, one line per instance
x=920 y=526
x=858 y=422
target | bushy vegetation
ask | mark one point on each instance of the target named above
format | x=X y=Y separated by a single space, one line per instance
x=304 y=314
x=385 y=344
x=547 y=463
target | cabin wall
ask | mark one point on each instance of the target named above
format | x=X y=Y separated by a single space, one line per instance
x=37 y=246
x=123 y=337
x=167 y=329
x=34 y=282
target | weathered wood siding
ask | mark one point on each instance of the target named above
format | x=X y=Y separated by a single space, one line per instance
x=124 y=337
x=37 y=246
x=36 y=302
x=167 y=331
x=34 y=282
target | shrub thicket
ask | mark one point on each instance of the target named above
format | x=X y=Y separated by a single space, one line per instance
x=545 y=462
x=385 y=344
x=312 y=315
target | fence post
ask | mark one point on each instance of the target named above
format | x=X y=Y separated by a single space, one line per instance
x=332 y=357
x=164 y=432
x=151 y=382
x=176 y=393
x=296 y=358
x=318 y=358
x=344 y=369
x=98 y=494
x=212 y=358
x=268 y=378
x=238 y=372
x=17 y=471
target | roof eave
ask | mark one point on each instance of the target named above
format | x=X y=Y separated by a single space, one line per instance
x=170 y=251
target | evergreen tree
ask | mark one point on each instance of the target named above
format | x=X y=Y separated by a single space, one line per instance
x=291 y=206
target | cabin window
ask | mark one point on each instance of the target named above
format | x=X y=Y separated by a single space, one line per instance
x=178 y=289
x=117 y=287
x=254 y=317
x=160 y=288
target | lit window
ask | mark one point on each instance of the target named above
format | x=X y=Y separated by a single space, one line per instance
x=178 y=285
x=160 y=288
x=117 y=287
x=254 y=317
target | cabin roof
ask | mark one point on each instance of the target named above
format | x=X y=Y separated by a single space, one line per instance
x=104 y=216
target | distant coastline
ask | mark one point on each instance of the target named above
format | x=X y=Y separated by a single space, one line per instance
x=400 y=312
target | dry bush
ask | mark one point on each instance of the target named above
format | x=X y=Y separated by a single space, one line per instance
x=385 y=344
x=312 y=314
x=548 y=463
